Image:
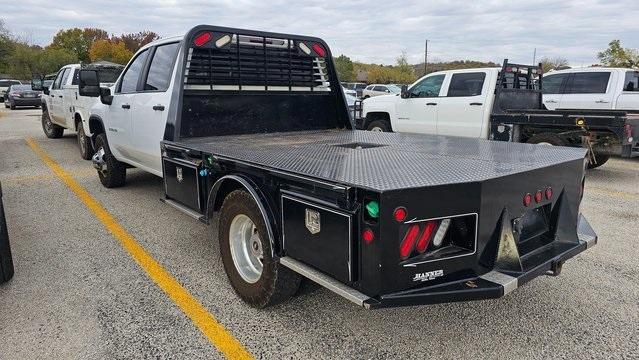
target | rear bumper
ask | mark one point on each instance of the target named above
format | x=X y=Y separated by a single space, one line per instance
x=494 y=284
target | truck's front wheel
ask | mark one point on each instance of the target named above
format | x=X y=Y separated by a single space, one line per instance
x=86 y=148
x=246 y=253
x=112 y=173
x=379 y=126
x=51 y=130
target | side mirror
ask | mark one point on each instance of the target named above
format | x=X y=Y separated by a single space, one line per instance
x=45 y=90
x=405 y=94
x=89 y=84
x=36 y=84
x=105 y=96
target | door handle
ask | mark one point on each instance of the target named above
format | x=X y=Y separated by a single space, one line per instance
x=431 y=104
x=551 y=101
x=126 y=106
x=601 y=101
x=59 y=96
x=476 y=104
x=158 y=107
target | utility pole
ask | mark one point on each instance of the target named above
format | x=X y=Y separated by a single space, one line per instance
x=425 y=56
x=534 y=56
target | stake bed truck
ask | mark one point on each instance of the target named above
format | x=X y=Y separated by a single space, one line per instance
x=258 y=130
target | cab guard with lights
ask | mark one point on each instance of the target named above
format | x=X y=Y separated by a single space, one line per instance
x=382 y=219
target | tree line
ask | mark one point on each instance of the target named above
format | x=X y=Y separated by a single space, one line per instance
x=403 y=73
x=22 y=60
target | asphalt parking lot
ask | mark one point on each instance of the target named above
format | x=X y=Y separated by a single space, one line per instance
x=79 y=292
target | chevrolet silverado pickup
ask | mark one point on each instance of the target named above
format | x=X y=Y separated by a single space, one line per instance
x=254 y=126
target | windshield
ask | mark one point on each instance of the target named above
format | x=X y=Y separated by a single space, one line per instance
x=20 y=87
x=394 y=89
x=7 y=83
x=360 y=86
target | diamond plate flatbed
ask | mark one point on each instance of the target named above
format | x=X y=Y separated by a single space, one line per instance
x=398 y=161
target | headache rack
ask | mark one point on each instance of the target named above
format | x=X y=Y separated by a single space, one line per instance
x=518 y=88
x=231 y=61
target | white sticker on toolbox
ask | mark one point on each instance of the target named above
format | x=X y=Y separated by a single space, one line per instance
x=429 y=275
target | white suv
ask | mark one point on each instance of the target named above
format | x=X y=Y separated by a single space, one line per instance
x=380 y=89
x=592 y=88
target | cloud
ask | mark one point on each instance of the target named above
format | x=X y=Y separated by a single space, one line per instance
x=371 y=31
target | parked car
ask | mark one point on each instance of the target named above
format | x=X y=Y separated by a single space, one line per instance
x=4 y=85
x=22 y=95
x=48 y=79
x=592 y=88
x=380 y=89
x=382 y=219
x=500 y=104
x=63 y=108
x=348 y=91
x=357 y=86
x=6 y=262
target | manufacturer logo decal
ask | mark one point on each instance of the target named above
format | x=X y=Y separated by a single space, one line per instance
x=313 y=221
x=429 y=275
x=178 y=171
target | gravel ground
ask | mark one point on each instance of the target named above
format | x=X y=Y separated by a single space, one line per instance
x=78 y=294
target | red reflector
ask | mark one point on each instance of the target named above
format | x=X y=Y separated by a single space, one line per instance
x=368 y=235
x=538 y=196
x=202 y=38
x=400 y=214
x=319 y=50
x=527 y=199
x=548 y=193
x=424 y=239
x=408 y=244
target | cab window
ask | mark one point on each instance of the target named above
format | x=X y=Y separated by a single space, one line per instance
x=161 y=68
x=631 y=82
x=553 y=84
x=58 y=79
x=131 y=76
x=466 y=84
x=588 y=83
x=428 y=87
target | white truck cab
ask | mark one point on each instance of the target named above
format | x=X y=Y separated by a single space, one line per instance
x=63 y=108
x=452 y=102
x=592 y=88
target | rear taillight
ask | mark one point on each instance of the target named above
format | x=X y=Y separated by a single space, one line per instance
x=424 y=238
x=527 y=199
x=399 y=214
x=539 y=196
x=408 y=244
x=549 y=193
x=368 y=236
x=319 y=50
x=202 y=38
x=628 y=132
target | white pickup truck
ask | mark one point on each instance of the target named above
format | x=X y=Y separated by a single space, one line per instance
x=592 y=88
x=500 y=104
x=63 y=108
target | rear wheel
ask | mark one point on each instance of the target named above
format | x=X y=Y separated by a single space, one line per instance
x=600 y=159
x=547 y=139
x=246 y=252
x=379 y=126
x=84 y=142
x=12 y=105
x=51 y=130
x=112 y=173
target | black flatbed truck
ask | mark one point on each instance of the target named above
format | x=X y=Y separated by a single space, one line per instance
x=259 y=131
x=519 y=115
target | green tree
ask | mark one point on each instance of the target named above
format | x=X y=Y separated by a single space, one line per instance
x=134 y=41
x=7 y=45
x=617 y=56
x=27 y=61
x=344 y=67
x=52 y=59
x=78 y=41
x=556 y=63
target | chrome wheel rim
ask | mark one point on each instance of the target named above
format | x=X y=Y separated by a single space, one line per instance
x=81 y=138
x=246 y=248
x=377 y=129
x=544 y=143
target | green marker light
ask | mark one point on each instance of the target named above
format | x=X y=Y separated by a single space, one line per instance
x=373 y=209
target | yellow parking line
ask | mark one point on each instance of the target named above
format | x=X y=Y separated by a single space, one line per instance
x=205 y=321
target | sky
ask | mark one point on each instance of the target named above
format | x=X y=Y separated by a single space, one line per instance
x=369 y=31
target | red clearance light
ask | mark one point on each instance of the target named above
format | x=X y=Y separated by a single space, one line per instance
x=538 y=196
x=527 y=199
x=408 y=244
x=202 y=38
x=368 y=235
x=424 y=239
x=399 y=214
x=319 y=50
x=549 y=193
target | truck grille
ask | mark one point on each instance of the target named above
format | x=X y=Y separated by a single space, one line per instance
x=254 y=63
